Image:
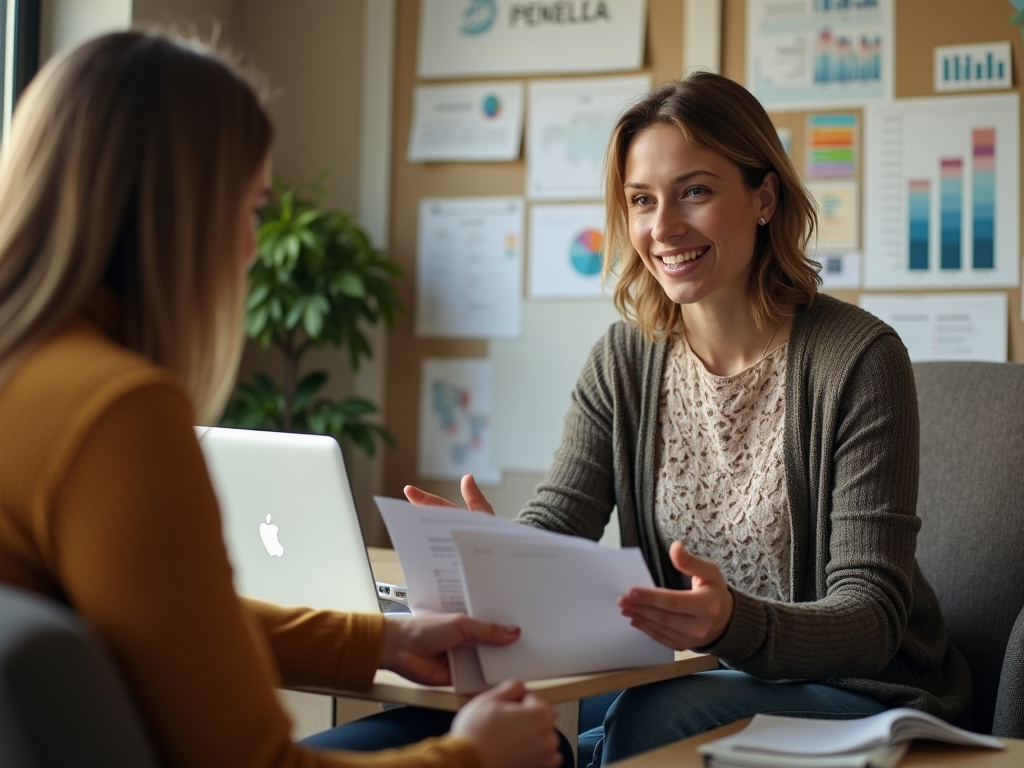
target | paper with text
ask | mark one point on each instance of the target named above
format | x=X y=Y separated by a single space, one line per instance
x=564 y=599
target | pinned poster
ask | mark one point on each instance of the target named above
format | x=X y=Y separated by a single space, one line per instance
x=946 y=326
x=984 y=67
x=813 y=53
x=478 y=122
x=469 y=267
x=478 y=38
x=569 y=125
x=839 y=271
x=565 y=251
x=831 y=146
x=455 y=416
x=838 y=215
x=944 y=208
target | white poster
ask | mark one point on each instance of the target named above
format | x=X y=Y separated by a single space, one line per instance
x=564 y=258
x=570 y=122
x=476 y=122
x=948 y=326
x=944 y=202
x=838 y=215
x=469 y=267
x=815 y=53
x=476 y=38
x=455 y=415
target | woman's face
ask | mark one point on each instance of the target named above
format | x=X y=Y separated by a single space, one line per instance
x=692 y=218
x=254 y=199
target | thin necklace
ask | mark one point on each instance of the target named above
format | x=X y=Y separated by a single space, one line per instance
x=765 y=352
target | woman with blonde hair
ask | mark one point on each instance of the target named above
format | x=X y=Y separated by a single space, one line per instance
x=129 y=186
x=758 y=439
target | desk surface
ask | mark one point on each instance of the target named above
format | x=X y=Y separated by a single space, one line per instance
x=922 y=754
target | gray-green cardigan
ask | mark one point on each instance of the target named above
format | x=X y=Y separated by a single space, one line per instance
x=862 y=616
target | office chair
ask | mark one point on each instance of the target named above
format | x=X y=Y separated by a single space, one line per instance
x=63 y=703
x=971 y=544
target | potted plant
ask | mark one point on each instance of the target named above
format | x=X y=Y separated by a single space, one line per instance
x=316 y=281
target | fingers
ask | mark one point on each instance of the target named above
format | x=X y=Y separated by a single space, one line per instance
x=508 y=690
x=490 y=633
x=691 y=565
x=421 y=498
x=474 y=497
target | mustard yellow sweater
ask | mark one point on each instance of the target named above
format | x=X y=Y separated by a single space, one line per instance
x=106 y=505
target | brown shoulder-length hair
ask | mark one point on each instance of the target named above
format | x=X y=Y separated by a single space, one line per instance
x=717 y=113
x=126 y=165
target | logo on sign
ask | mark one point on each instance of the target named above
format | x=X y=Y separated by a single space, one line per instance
x=478 y=17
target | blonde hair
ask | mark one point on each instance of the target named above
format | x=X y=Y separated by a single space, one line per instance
x=714 y=112
x=126 y=165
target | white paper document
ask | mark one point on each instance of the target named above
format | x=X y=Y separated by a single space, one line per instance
x=455 y=420
x=496 y=570
x=814 y=53
x=569 y=124
x=946 y=326
x=942 y=193
x=565 y=252
x=475 y=38
x=469 y=267
x=474 y=122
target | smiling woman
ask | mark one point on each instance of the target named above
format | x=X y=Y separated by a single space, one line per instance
x=759 y=441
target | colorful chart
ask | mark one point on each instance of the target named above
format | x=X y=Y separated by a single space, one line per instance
x=944 y=202
x=585 y=253
x=831 y=145
x=492 y=106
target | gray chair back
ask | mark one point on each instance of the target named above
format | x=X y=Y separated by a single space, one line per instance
x=63 y=703
x=971 y=503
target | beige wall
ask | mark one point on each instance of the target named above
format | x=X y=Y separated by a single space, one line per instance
x=311 y=52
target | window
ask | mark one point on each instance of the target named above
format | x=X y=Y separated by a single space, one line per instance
x=19 y=52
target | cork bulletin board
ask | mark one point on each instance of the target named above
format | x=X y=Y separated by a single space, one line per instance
x=920 y=26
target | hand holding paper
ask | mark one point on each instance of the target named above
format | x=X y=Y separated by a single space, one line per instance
x=562 y=591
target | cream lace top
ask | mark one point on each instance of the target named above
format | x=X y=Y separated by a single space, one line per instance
x=721 y=481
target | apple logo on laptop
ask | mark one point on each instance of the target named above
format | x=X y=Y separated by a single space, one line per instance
x=268 y=532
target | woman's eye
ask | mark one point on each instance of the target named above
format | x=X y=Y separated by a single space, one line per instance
x=695 y=191
x=640 y=200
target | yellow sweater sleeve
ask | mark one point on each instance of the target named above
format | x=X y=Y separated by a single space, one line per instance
x=131 y=532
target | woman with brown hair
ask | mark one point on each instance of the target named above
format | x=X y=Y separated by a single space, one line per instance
x=758 y=439
x=129 y=186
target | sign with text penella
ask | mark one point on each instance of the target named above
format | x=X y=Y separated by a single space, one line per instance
x=471 y=38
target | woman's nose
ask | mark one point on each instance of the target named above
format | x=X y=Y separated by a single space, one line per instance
x=668 y=223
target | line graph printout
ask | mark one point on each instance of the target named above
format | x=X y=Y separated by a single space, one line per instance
x=942 y=200
x=469 y=267
x=568 y=126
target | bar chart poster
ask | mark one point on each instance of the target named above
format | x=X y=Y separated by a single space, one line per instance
x=985 y=67
x=818 y=53
x=944 y=203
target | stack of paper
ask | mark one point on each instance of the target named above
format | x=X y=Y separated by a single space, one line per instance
x=562 y=592
x=879 y=741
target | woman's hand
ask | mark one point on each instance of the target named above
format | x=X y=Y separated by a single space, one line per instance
x=415 y=646
x=683 y=619
x=509 y=728
x=471 y=492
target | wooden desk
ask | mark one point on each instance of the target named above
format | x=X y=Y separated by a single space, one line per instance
x=922 y=754
x=564 y=692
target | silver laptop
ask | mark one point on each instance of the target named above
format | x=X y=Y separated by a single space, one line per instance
x=290 y=522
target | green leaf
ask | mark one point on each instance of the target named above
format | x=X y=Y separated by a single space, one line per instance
x=307 y=388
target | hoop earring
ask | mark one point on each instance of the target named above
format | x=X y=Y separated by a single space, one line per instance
x=762 y=221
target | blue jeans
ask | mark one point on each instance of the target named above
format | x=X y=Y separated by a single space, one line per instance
x=652 y=715
x=397 y=728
